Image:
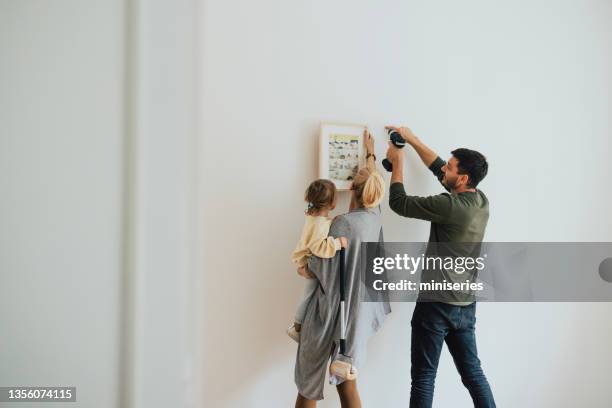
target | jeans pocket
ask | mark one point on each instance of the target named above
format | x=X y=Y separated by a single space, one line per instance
x=471 y=321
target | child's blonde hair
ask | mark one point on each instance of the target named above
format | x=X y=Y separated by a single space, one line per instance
x=368 y=187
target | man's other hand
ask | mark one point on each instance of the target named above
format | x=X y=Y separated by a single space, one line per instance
x=394 y=154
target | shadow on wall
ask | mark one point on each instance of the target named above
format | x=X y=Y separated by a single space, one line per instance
x=251 y=285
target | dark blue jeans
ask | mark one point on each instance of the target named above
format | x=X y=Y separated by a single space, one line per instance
x=433 y=324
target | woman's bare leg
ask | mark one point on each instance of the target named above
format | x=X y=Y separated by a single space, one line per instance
x=302 y=402
x=349 y=396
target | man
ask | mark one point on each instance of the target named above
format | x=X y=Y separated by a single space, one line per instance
x=458 y=220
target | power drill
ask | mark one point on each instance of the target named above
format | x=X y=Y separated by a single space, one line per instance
x=398 y=141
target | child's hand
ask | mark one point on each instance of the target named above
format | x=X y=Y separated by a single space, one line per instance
x=343 y=242
x=305 y=273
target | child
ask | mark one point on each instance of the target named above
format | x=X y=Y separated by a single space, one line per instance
x=321 y=198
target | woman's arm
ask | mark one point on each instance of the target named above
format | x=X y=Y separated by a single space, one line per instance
x=368 y=143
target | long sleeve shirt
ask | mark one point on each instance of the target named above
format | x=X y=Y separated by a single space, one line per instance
x=315 y=240
x=457 y=220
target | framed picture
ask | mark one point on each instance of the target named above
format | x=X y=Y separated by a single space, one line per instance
x=341 y=153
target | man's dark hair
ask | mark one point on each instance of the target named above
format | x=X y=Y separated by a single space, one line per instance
x=472 y=163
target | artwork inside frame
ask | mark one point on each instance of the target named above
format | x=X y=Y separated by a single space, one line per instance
x=341 y=153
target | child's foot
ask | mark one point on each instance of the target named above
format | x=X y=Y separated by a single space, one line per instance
x=293 y=331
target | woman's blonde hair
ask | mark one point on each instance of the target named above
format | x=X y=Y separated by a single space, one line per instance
x=368 y=187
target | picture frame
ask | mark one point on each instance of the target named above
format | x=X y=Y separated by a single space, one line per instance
x=341 y=152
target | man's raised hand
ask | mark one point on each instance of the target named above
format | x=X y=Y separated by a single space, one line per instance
x=425 y=153
x=405 y=133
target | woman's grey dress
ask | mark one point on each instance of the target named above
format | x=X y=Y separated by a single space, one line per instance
x=321 y=327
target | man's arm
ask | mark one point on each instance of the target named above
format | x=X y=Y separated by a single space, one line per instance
x=433 y=208
x=429 y=158
x=425 y=153
x=396 y=157
x=436 y=169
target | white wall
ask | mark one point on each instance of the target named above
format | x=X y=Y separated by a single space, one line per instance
x=525 y=82
x=98 y=244
x=61 y=124
x=165 y=273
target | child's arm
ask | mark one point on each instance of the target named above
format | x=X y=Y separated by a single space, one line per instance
x=327 y=247
x=339 y=228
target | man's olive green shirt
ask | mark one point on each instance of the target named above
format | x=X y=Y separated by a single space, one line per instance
x=459 y=218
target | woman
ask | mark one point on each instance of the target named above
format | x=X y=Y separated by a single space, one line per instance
x=320 y=330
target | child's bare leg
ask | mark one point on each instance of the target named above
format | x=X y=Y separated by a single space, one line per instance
x=302 y=402
x=349 y=396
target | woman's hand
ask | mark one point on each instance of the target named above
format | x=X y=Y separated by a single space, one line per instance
x=368 y=142
x=305 y=273
x=343 y=242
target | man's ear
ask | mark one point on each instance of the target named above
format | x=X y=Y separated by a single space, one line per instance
x=465 y=179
